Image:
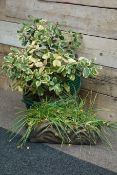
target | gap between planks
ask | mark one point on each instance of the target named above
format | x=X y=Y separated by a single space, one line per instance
x=89 y=3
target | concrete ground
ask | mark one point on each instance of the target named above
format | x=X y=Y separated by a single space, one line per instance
x=10 y=104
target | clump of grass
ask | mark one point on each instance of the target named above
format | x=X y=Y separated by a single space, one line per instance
x=67 y=115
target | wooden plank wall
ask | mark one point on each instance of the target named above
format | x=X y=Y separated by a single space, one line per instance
x=96 y=20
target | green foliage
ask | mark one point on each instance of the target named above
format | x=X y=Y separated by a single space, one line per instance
x=64 y=115
x=48 y=60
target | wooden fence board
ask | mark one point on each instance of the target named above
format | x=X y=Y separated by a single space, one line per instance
x=8 y=33
x=87 y=20
x=106 y=106
x=108 y=74
x=2 y=8
x=99 y=3
x=103 y=87
x=103 y=49
x=4 y=49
